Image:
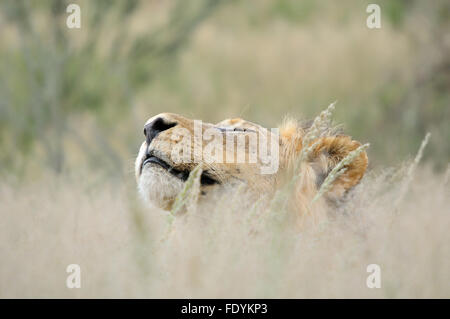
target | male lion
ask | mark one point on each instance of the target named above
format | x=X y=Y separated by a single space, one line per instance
x=160 y=174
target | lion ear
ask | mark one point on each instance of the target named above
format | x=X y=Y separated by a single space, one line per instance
x=328 y=152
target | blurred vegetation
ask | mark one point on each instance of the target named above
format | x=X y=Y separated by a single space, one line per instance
x=49 y=76
x=79 y=97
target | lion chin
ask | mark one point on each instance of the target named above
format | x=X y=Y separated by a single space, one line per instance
x=157 y=187
x=175 y=145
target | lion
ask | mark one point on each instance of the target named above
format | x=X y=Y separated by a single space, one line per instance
x=160 y=174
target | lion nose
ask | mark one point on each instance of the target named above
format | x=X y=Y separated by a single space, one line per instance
x=155 y=127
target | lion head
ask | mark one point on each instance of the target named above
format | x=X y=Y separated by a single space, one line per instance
x=234 y=152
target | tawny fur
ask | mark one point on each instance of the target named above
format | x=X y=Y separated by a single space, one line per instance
x=160 y=188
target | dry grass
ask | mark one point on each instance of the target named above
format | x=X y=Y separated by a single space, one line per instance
x=226 y=248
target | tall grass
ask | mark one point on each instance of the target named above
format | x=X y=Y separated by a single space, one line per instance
x=223 y=248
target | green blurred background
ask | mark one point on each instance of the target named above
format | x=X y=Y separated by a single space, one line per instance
x=77 y=99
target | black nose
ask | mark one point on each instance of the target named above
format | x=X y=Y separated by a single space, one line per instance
x=155 y=127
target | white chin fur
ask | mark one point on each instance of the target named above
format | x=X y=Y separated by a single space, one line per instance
x=158 y=187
